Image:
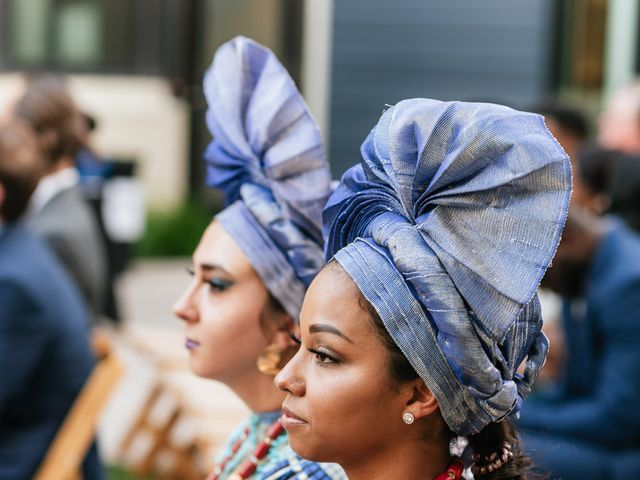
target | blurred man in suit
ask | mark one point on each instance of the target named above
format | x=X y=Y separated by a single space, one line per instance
x=45 y=355
x=58 y=212
x=589 y=427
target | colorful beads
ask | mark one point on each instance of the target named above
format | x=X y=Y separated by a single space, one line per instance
x=483 y=465
x=453 y=471
x=250 y=465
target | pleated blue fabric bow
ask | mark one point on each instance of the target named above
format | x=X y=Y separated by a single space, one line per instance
x=447 y=227
x=268 y=159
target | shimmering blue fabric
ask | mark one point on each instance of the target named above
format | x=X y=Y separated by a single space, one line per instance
x=268 y=159
x=448 y=226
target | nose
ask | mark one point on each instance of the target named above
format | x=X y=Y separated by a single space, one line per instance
x=186 y=307
x=291 y=379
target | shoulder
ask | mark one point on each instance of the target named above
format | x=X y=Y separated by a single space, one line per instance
x=56 y=212
x=72 y=199
x=16 y=236
x=27 y=264
x=614 y=286
x=20 y=252
x=14 y=291
x=24 y=253
x=617 y=261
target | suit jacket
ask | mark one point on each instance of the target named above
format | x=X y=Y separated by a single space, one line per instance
x=45 y=355
x=71 y=230
x=596 y=407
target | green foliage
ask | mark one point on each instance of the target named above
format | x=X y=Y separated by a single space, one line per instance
x=174 y=233
x=116 y=472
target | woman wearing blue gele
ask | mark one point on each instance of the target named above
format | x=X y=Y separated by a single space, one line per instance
x=413 y=334
x=259 y=255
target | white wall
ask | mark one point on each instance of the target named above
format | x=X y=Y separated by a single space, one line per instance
x=138 y=118
x=316 y=61
x=620 y=45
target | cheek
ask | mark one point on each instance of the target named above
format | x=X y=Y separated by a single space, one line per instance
x=341 y=409
x=224 y=316
x=349 y=402
x=230 y=332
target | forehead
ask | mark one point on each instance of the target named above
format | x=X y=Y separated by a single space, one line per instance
x=333 y=299
x=218 y=248
x=624 y=104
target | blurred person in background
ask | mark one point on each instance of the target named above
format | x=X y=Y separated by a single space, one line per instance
x=596 y=272
x=608 y=182
x=58 y=211
x=45 y=356
x=619 y=122
x=256 y=259
x=592 y=164
x=94 y=172
x=116 y=198
x=623 y=190
x=567 y=124
x=593 y=170
x=588 y=427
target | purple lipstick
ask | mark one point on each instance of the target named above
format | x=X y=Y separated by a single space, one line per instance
x=191 y=344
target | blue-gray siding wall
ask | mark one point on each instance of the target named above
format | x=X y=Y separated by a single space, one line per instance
x=476 y=50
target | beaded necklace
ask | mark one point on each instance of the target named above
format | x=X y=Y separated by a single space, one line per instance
x=453 y=471
x=250 y=465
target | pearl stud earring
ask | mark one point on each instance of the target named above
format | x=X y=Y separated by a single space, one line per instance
x=408 y=418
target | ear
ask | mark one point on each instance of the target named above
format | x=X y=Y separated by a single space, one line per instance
x=2 y=196
x=600 y=203
x=281 y=325
x=423 y=403
x=282 y=341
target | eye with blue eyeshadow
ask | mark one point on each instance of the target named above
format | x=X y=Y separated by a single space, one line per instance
x=219 y=284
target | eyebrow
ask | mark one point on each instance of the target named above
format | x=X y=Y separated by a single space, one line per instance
x=321 y=327
x=210 y=267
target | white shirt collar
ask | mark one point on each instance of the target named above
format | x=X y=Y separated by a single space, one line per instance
x=51 y=185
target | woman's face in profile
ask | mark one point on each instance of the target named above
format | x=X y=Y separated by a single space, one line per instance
x=222 y=310
x=341 y=403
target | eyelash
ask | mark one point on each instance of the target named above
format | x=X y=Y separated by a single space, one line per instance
x=321 y=357
x=217 y=284
x=295 y=339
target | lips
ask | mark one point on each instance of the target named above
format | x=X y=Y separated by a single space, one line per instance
x=290 y=419
x=191 y=344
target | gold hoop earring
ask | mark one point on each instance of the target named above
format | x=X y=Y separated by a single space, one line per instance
x=273 y=359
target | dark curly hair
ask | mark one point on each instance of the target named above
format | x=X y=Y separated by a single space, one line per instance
x=485 y=443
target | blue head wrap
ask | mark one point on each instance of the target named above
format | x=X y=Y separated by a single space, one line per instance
x=447 y=227
x=267 y=158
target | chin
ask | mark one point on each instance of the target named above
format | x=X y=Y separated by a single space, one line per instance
x=199 y=369
x=309 y=450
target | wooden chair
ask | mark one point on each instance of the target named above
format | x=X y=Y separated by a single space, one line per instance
x=64 y=457
x=153 y=445
x=185 y=464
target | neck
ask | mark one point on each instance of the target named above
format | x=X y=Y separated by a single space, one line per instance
x=61 y=164
x=413 y=458
x=258 y=392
